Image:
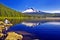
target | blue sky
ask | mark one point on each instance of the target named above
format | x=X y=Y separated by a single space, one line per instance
x=43 y=5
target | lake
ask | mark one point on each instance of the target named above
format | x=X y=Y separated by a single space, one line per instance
x=42 y=30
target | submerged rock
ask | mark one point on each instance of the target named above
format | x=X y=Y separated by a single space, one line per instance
x=13 y=36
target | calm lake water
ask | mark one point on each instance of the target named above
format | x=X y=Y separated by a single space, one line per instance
x=43 y=30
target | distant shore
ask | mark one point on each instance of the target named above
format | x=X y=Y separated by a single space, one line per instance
x=16 y=20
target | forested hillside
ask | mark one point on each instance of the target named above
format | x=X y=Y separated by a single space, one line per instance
x=7 y=12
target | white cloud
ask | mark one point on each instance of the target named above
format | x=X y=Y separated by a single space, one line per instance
x=55 y=11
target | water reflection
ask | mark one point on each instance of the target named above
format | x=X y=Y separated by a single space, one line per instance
x=42 y=30
x=52 y=23
x=30 y=24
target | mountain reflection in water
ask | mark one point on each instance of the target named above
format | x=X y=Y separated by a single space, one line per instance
x=45 y=31
x=30 y=24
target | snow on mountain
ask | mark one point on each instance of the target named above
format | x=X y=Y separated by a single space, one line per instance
x=29 y=10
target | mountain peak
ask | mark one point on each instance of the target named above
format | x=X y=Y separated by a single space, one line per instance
x=29 y=10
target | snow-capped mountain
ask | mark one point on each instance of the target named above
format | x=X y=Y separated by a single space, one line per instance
x=32 y=11
x=29 y=10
